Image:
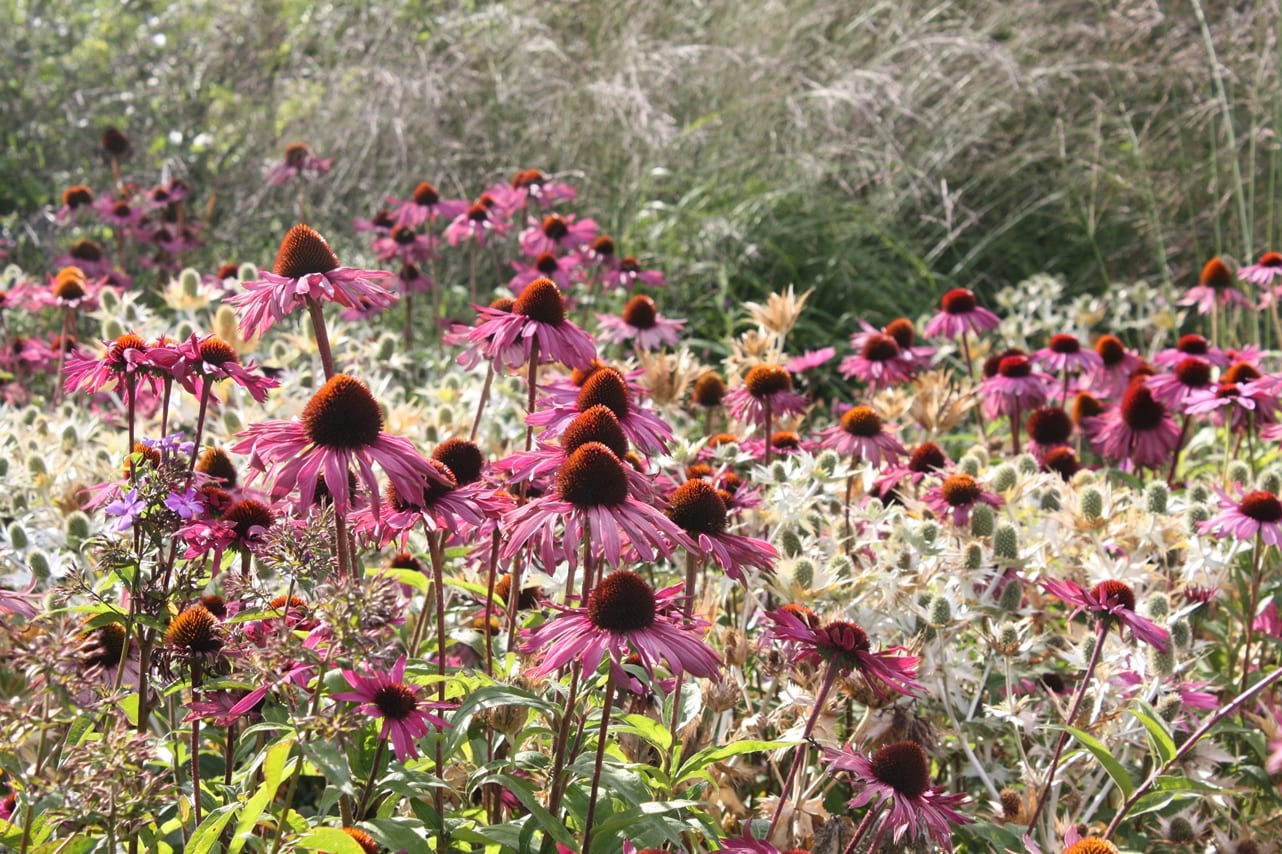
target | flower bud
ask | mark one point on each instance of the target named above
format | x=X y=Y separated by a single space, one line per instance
x=109 y=300
x=185 y=330
x=1169 y=707
x=189 y=281
x=1027 y=464
x=1091 y=504
x=803 y=573
x=1163 y=662
x=827 y=461
x=1005 y=542
x=1271 y=481
x=1156 y=497
x=248 y=272
x=1197 y=514
x=1159 y=605
x=778 y=472
x=36 y=465
x=1199 y=493
x=1237 y=471
x=70 y=438
x=842 y=566
x=76 y=528
x=1050 y=500
x=973 y=557
x=17 y=536
x=38 y=563
x=445 y=415
x=112 y=329
x=940 y=612
x=981 y=520
x=1007 y=638
x=929 y=532
x=1181 y=634
x=231 y=420
x=386 y=347
x=979 y=453
x=1004 y=478
x=1011 y=597
x=969 y=465
x=790 y=543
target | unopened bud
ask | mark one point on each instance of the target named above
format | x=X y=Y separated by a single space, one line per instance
x=1005 y=542
x=1156 y=497
x=1091 y=504
x=1011 y=597
x=1237 y=471
x=189 y=281
x=982 y=520
x=1004 y=478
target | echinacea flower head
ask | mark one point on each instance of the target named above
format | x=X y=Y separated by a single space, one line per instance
x=609 y=388
x=535 y=326
x=764 y=386
x=299 y=161
x=1048 y=427
x=367 y=843
x=709 y=390
x=641 y=322
x=557 y=233
x=698 y=508
x=115 y=142
x=747 y=844
x=1214 y=287
x=1138 y=432
x=846 y=647
x=1063 y=352
x=385 y=695
x=424 y=205
x=208 y=359
x=957 y=496
x=341 y=427
x=1092 y=845
x=306 y=269
x=1113 y=377
x=1256 y=514
x=126 y=357
x=1015 y=387
x=899 y=775
x=862 y=435
x=623 y=616
x=959 y=313
x=1262 y=273
x=76 y=199
x=194 y=631
x=1111 y=600
x=1172 y=390
x=879 y=362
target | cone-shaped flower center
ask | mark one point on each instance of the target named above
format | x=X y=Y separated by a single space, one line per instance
x=77 y=195
x=110 y=640
x=194 y=630
x=1193 y=344
x=554 y=227
x=503 y=304
x=463 y=458
x=603 y=246
x=396 y=701
x=903 y=767
x=640 y=312
x=528 y=178
x=1065 y=343
x=1139 y=410
x=215 y=463
x=343 y=414
x=697 y=507
x=606 y=387
x=478 y=212
x=115 y=142
x=595 y=424
x=709 y=389
x=1115 y=593
x=629 y=264
x=128 y=341
x=785 y=440
x=1015 y=366
x=861 y=421
x=1216 y=274
x=801 y=612
x=303 y=252
x=927 y=457
x=1063 y=462
x=1270 y=259
x=1240 y=372
x=1193 y=372
x=216 y=351
x=1261 y=506
x=1049 y=425
x=215 y=605
x=765 y=380
x=247 y=514
x=546 y=263
x=1111 y=349
x=903 y=331
x=404 y=235
x=1091 y=845
x=592 y=476
x=541 y=301
x=880 y=348
x=958 y=301
x=296 y=154
x=364 y=840
x=121 y=209
x=960 y=489
x=622 y=602
x=297 y=604
x=1085 y=406
x=433 y=489
x=69 y=283
x=425 y=194
x=86 y=250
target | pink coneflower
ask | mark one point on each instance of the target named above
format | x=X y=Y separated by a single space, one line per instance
x=624 y=616
x=899 y=775
x=630 y=273
x=533 y=184
x=1049 y=428
x=209 y=359
x=697 y=507
x=596 y=423
x=960 y=313
x=299 y=161
x=442 y=504
x=385 y=695
x=1110 y=600
x=242 y=528
x=927 y=458
x=591 y=500
x=1064 y=353
x=557 y=233
x=71 y=288
x=560 y=270
x=641 y=322
x=76 y=199
x=1191 y=345
x=747 y=844
x=536 y=327
x=1113 y=378
x=1014 y=388
x=764 y=386
x=1214 y=288
x=306 y=269
x=809 y=360
x=1256 y=514
x=128 y=356
x=119 y=212
x=341 y=426
x=86 y=254
x=1263 y=271
x=1138 y=432
x=844 y=646
x=426 y=205
x=879 y=362
x=861 y=435
x=956 y=496
x=482 y=219
x=405 y=244
x=1172 y=390
x=1243 y=399
x=380 y=223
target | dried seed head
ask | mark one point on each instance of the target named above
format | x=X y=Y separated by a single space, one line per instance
x=302 y=253
x=114 y=142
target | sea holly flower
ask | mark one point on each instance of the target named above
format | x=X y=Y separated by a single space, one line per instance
x=623 y=616
x=846 y=647
x=1256 y=514
x=642 y=323
x=898 y=775
x=1110 y=600
x=861 y=435
x=385 y=695
x=959 y=313
x=306 y=268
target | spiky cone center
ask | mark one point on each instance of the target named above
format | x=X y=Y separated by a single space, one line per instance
x=343 y=414
x=363 y=839
x=297 y=604
x=696 y=507
x=463 y=458
x=709 y=390
x=194 y=630
x=215 y=463
x=69 y=284
x=405 y=560
x=1015 y=366
x=1270 y=259
x=903 y=331
x=880 y=348
x=1139 y=410
x=1111 y=349
x=785 y=440
x=526 y=599
x=903 y=766
x=1049 y=425
x=592 y=476
x=1064 y=343
x=958 y=301
x=605 y=387
x=1216 y=275
x=503 y=304
x=960 y=489
x=640 y=312
x=107 y=645
x=1115 y=593
x=1091 y=845
x=403 y=235
x=597 y=423
x=1193 y=372
x=721 y=439
x=478 y=211
x=1063 y=461
x=622 y=602
x=216 y=351
x=144 y=456
x=546 y=263
x=1240 y=372
x=629 y=264
x=765 y=380
x=76 y=196
x=296 y=154
x=541 y=301
x=215 y=605
x=302 y=253
x=527 y=178
x=1262 y=506
x=128 y=341
x=1193 y=345
x=426 y=195
x=1086 y=406
x=801 y=612
x=86 y=250
x=927 y=457
x=115 y=142
x=995 y=359
x=603 y=246
x=396 y=701
x=246 y=514
x=844 y=637
x=861 y=421
x=555 y=227
x=432 y=490
x=729 y=482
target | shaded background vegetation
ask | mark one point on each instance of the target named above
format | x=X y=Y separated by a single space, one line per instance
x=878 y=151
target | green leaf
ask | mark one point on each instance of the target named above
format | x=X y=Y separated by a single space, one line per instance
x=331 y=839
x=1156 y=801
x=273 y=772
x=206 y=836
x=645 y=728
x=525 y=794
x=410 y=577
x=1110 y=763
x=1161 y=739
x=699 y=761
